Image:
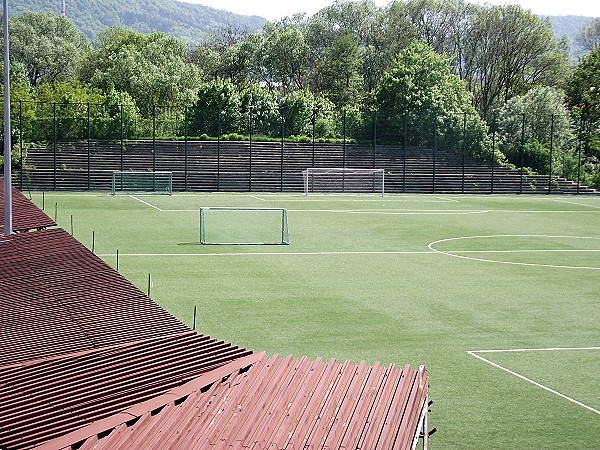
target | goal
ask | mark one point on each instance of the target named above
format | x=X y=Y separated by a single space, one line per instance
x=243 y=226
x=132 y=182
x=337 y=180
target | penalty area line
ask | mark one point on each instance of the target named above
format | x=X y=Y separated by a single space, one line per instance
x=529 y=380
x=145 y=203
x=268 y=253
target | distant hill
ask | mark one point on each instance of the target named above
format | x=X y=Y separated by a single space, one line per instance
x=189 y=22
x=569 y=26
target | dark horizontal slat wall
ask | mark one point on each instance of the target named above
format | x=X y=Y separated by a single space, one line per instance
x=232 y=166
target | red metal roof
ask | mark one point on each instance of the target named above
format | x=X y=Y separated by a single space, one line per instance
x=26 y=216
x=47 y=398
x=78 y=342
x=276 y=403
x=57 y=297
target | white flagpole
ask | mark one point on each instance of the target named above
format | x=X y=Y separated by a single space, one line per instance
x=7 y=144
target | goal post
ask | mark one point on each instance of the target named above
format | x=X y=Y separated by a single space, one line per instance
x=243 y=226
x=334 y=180
x=141 y=182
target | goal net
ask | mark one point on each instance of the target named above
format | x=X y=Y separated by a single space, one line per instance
x=336 y=180
x=131 y=182
x=243 y=226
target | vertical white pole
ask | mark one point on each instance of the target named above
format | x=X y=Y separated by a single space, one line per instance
x=7 y=144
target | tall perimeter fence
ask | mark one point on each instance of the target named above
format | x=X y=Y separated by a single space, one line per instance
x=77 y=146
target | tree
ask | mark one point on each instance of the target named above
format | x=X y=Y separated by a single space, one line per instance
x=150 y=68
x=286 y=56
x=436 y=104
x=342 y=83
x=588 y=37
x=583 y=95
x=47 y=45
x=583 y=85
x=217 y=110
x=509 y=51
x=421 y=81
x=539 y=120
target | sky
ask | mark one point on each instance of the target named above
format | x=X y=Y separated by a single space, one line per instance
x=276 y=9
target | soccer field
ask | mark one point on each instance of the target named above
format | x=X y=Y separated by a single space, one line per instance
x=498 y=296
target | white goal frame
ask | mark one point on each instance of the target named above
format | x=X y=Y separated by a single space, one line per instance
x=280 y=235
x=157 y=182
x=375 y=176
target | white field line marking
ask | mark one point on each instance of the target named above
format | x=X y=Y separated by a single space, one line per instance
x=303 y=198
x=574 y=203
x=145 y=203
x=525 y=251
x=529 y=380
x=381 y=212
x=549 y=349
x=390 y=212
x=258 y=198
x=453 y=254
x=266 y=253
x=451 y=200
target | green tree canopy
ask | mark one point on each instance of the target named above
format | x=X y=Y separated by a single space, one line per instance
x=48 y=46
x=421 y=80
x=539 y=120
x=433 y=103
x=150 y=68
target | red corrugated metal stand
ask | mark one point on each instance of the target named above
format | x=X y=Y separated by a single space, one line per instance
x=78 y=342
x=26 y=216
x=87 y=360
x=276 y=403
x=58 y=297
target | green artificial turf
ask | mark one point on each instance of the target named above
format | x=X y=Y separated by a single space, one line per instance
x=403 y=279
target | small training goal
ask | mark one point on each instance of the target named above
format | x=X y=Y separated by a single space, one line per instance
x=319 y=180
x=243 y=226
x=140 y=182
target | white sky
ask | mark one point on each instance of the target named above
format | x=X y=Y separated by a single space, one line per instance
x=275 y=9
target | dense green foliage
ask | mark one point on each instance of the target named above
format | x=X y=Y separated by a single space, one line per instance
x=533 y=125
x=151 y=68
x=47 y=45
x=188 y=22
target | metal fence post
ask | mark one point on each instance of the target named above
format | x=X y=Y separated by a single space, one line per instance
x=21 y=144
x=434 y=152
x=581 y=134
x=185 y=147
x=551 y=152
x=374 y=139
x=89 y=135
x=344 y=139
x=154 y=138
x=282 y=147
x=464 y=152
x=314 y=119
x=521 y=150
x=54 y=138
x=250 y=150
x=404 y=142
x=493 y=152
x=121 y=130
x=218 y=150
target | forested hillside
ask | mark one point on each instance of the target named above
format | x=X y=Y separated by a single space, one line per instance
x=570 y=27
x=186 y=21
